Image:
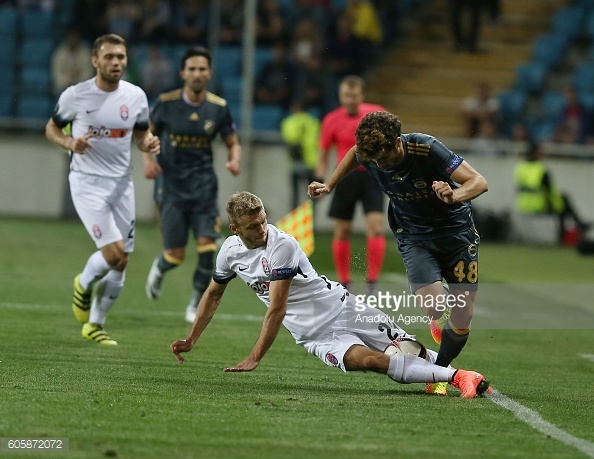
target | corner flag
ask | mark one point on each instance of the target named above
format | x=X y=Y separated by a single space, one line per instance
x=299 y=223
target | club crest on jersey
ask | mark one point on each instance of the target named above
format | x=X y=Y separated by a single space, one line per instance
x=472 y=250
x=419 y=183
x=208 y=126
x=265 y=266
x=331 y=359
x=124 y=112
x=97 y=232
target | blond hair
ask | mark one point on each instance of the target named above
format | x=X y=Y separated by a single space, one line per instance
x=243 y=203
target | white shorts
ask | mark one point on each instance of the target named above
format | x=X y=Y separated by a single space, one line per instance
x=371 y=328
x=106 y=207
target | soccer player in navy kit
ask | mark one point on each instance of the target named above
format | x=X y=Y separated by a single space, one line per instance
x=187 y=120
x=430 y=189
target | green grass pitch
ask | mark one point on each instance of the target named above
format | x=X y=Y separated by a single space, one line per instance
x=135 y=401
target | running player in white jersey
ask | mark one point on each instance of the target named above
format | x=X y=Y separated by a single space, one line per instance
x=319 y=313
x=105 y=113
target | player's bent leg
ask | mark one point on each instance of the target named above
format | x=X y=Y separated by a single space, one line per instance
x=166 y=261
x=341 y=250
x=81 y=301
x=361 y=358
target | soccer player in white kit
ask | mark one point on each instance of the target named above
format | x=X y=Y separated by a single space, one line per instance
x=105 y=113
x=320 y=314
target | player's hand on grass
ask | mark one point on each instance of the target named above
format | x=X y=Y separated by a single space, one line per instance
x=443 y=191
x=179 y=346
x=247 y=365
x=317 y=189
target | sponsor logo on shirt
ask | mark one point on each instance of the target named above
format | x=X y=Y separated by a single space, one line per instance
x=281 y=271
x=100 y=132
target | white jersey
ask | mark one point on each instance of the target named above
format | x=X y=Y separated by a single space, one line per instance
x=111 y=117
x=314 y=302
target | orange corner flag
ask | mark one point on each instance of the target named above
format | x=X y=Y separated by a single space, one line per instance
x=299 y=223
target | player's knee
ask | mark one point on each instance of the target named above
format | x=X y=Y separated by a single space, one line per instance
x=374 y=362
x=115 y=256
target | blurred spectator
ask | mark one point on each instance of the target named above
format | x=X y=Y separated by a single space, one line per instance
x=123 y=17
x=42 y=5
x=366 y=22
x=157 y=73
x=487 y=143
x=345 y=52
x=312 y=83
x=300 y=132
x=231 y=22
x=90 y=19
x=276 y=81
x=190 y=21
x=71 y=63
x=537 y=194
x=306 y=41
x=154 y=22
x=520 y=135
x=494 y=11
x=310 y=9
x=483 y=105
x=573 y=121
x=270 y=26
x=465 y=16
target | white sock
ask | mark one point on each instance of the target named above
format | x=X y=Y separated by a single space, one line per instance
x=94 y=270
x=107 y=291
x=410 y=369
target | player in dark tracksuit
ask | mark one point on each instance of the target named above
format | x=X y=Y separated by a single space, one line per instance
x=430 y=189
x=187 y=120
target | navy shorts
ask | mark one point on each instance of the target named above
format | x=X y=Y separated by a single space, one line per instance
x=357 y=186
x=453 y=258
x=177 y=219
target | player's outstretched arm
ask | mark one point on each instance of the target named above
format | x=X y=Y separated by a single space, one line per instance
x=206 y=309
x=348 y=164
x=273 y=320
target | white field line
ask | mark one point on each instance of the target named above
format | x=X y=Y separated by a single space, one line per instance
x=148 y=310
x=534 y=420
x=530 y=417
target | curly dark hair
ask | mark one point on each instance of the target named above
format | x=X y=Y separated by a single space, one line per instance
x=377 y=132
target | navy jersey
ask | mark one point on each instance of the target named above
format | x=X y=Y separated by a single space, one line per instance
x=415 y=211
x=186 y=132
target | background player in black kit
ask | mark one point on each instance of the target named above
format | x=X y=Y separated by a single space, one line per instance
x=430 y=189
x=187 y=120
